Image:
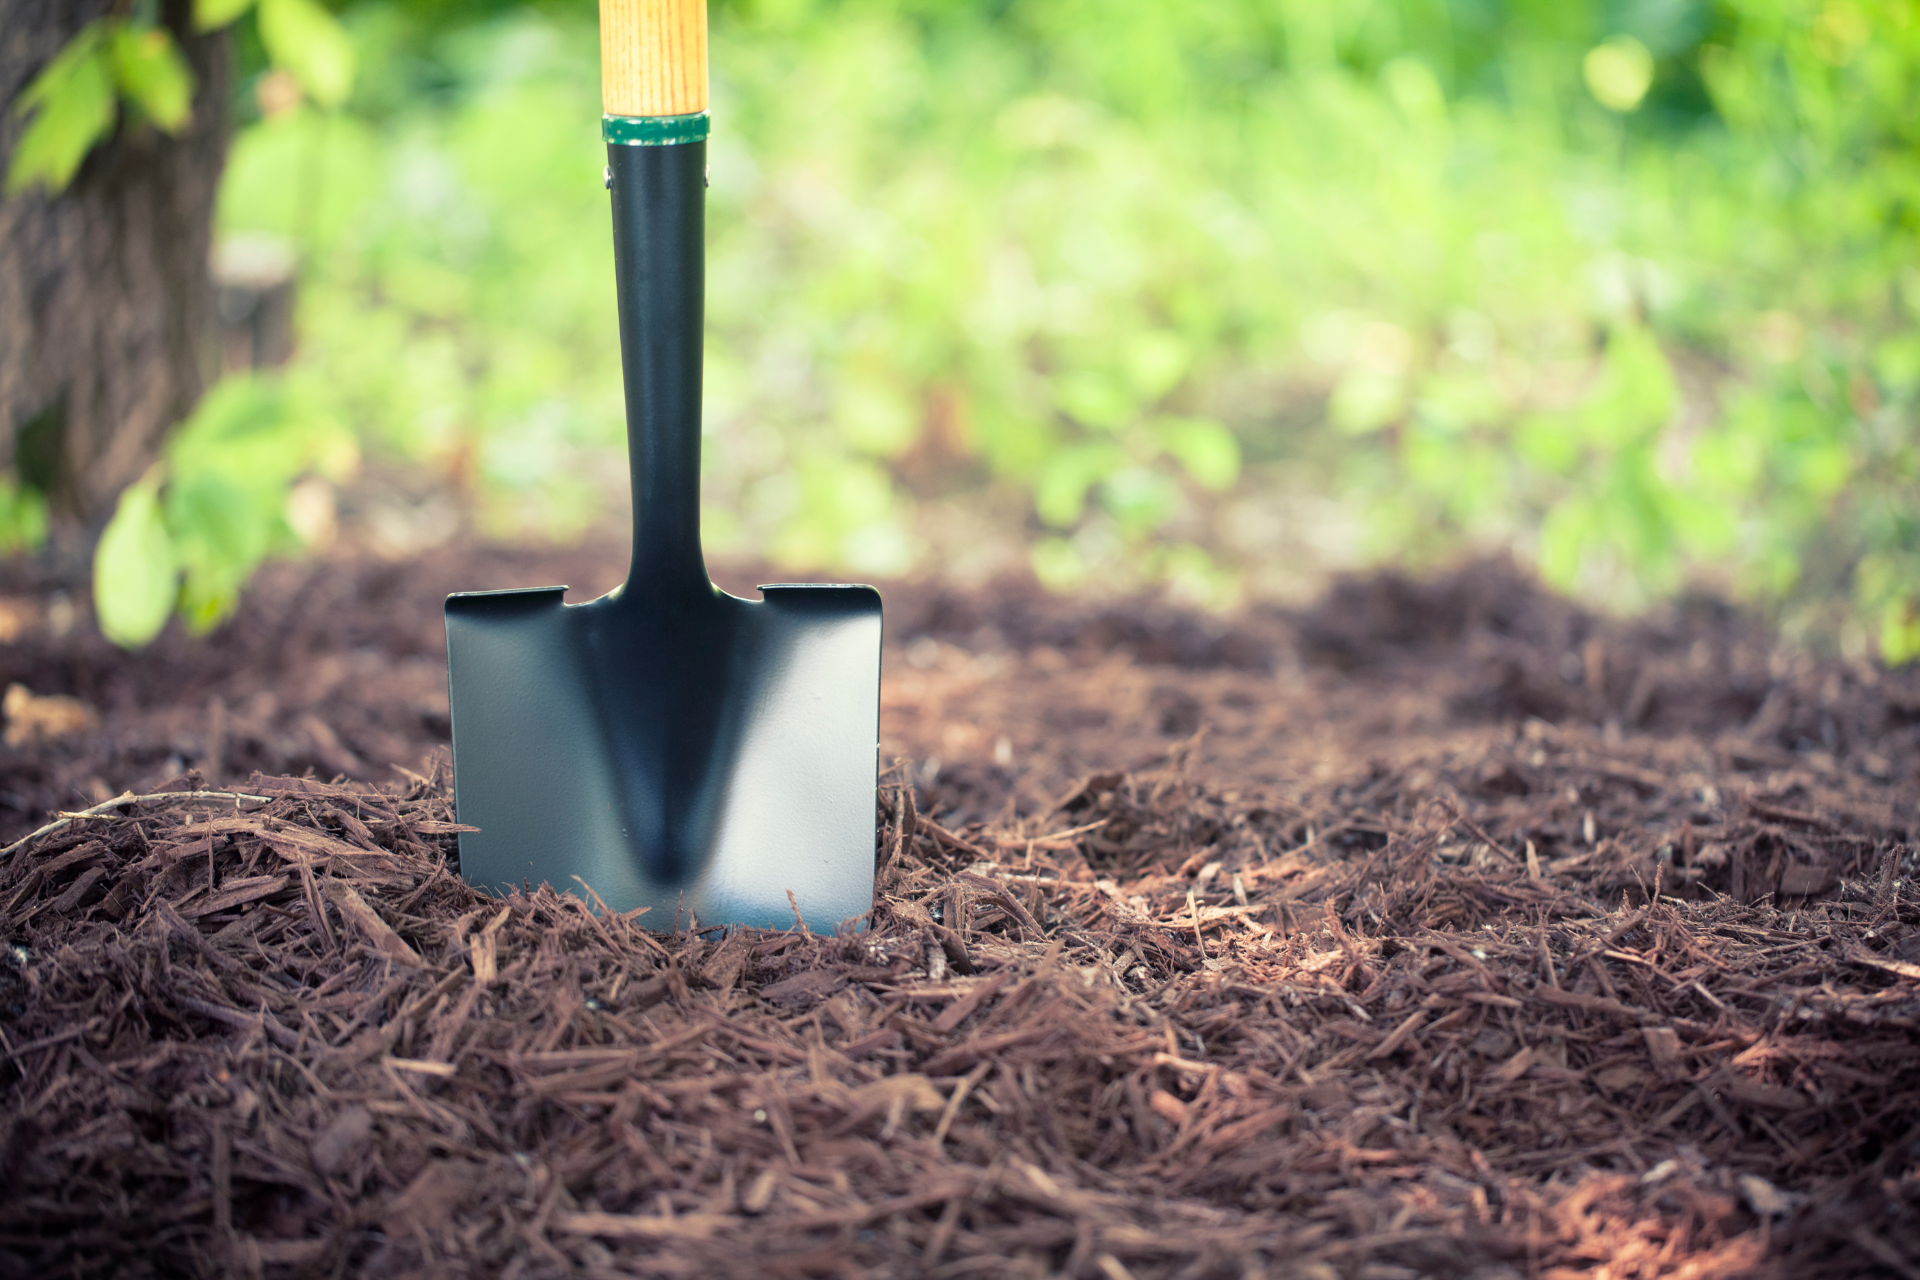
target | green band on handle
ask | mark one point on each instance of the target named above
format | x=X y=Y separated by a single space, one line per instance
x=654 y=131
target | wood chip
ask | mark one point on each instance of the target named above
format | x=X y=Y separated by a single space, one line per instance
x=1277 y=1005
x=378 y=934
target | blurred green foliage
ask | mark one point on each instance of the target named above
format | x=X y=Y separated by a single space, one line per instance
x=189 y=534
x=132 y=62
x=1627 y=285
x=70 y=105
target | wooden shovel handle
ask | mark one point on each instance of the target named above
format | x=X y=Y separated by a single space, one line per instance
x=653 y=57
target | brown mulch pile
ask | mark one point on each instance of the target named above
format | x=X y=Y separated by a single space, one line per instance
x=1444 y=929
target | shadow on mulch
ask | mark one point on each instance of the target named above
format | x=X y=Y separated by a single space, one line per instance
x=1442 y=930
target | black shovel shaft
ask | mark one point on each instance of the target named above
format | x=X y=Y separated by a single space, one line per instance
x=659 y=258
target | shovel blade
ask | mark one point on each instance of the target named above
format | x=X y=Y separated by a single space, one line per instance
x=703 y=757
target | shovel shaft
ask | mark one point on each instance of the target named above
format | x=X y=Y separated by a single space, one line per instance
x=659 y=207
x=653 y=57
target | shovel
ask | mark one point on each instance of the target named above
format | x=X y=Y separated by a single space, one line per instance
x=668 y=745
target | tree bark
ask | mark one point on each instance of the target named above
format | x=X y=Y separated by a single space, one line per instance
x=106 y=301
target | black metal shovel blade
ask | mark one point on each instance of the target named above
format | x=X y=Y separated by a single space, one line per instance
x=697 y=754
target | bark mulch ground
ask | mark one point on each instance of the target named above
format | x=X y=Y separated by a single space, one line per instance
x=1443 y=929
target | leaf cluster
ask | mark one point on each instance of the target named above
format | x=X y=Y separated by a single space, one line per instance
x=74 y=102
x=186 y=537
x=133 y=65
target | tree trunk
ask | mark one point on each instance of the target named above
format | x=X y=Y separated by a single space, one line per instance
x=106 y=302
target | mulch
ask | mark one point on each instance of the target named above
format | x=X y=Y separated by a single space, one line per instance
x=1440 y=929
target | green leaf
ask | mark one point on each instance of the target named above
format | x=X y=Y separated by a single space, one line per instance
x=1729 y=460
x=1897 y=361
x=211 y=14
x=1636 y=519
x=1706 y=528
x=232 y=464
x=1140 y=498
x=1194 y=578
x=23 y=516
x=1094 y=399
x=1824 y=468
x=1156 y=360
x=1208 y=451
x=1056 y=562
x=309 y=42
x=1636 y=392
x=72 y=105
x=1013 y=445
x=1548 y=441
x=1366 y=400
x=208 y=596
x=1618 y=72
x=1900 y=631
x=51 y=82
x=1060 y=489
x=844 y=492
x=1458 y=398
x=876 y=419
x=150 y=71
x=221 y=531
x=136 y=575
x=1564 y=538
x=1414 y=89
x=234 y=412
x=1469 y=480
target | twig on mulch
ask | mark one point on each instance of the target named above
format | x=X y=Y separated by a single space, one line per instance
x=121 y=801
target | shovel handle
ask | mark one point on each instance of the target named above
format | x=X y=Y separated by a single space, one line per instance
x=653 y=57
